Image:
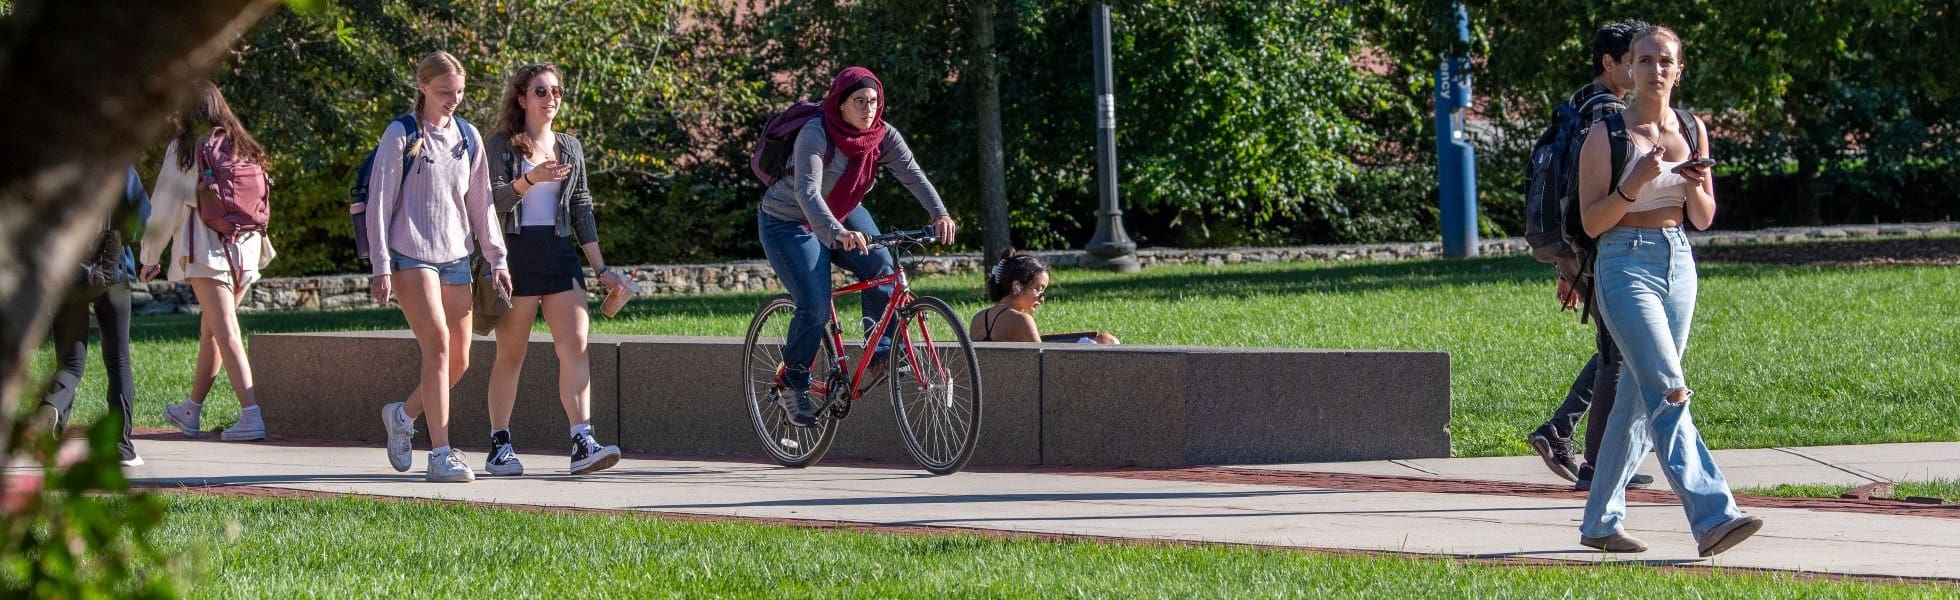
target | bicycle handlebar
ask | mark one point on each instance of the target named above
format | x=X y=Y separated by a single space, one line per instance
x=920 y=236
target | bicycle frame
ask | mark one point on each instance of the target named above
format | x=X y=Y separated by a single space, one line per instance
x=901 y=297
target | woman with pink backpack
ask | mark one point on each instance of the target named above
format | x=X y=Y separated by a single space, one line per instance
x=210 y=209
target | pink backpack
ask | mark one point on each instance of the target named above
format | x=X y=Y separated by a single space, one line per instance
x=232 y=193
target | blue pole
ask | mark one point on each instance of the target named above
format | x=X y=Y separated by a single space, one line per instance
x=1456 y=160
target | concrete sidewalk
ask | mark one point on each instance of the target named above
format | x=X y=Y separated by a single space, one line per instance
x=1836 y=465
x=1473 y=525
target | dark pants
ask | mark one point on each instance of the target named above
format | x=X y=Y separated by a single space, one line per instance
x=70 y=333
x=1592 y=392
x=802 y=262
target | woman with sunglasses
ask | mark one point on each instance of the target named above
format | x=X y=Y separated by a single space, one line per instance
x=813 y=215
x=537 y=179
x=420 y=227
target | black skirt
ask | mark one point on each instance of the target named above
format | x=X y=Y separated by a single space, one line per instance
x=541 y=263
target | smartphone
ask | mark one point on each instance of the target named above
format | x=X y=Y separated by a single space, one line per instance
x=1703 y=162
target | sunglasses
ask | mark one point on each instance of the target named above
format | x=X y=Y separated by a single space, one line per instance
x=548 y=92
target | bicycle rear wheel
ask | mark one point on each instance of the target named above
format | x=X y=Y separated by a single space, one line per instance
x=935 y=387
x=768 y=399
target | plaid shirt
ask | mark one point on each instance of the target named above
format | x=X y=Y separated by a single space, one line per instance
x=1599 y=110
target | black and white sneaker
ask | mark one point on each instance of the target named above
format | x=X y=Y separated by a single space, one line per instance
x=1585 y=475
x=590 y=457
x=503 y=456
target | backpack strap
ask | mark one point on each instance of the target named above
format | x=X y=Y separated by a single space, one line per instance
x=1690 y=130
x=469 y=137
x=1622 y=146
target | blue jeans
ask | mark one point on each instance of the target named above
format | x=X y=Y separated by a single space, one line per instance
x=1646 y=293
x=802 y=262
x=455 y=272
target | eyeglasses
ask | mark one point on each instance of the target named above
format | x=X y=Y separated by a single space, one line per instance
x=552 y=92
x=863 y=103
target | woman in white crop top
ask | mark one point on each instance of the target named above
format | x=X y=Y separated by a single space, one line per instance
x=1645 y=291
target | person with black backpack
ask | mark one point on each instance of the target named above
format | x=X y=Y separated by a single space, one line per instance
x=1551 y=190
x=1643 y=174
x=812 y=213
x=428 y=200
x=211 y=211
x=104 y=286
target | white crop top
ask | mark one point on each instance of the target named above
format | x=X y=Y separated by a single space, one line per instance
x=1667 y=190
x=540 y=204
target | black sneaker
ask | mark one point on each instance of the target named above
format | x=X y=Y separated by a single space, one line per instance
x=1584 y=482
x=503 y=456
x=1557 y=452
x=590 y=457
x=802 y=413
x=876 y=373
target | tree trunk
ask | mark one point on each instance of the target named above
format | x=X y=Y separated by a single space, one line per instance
x=1808 y=209
x=91 y=82
x=986 y=104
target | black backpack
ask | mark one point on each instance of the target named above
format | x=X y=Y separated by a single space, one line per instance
x=1552 y=178
x=1585 y=246
x=103 y=266
x=357 y=197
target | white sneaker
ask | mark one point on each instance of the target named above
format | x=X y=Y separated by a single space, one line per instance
x=249 y=428
x=133 y=461
x=401 y=437
x=449 y=468
x=185 y=417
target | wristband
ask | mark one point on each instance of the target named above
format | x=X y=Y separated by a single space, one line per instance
x=1623 y=194
x=601 y=271
x=527 y=180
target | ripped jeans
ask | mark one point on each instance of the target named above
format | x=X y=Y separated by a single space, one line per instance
x=1646 y=295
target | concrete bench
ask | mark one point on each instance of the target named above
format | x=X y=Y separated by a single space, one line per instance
x=1153 y=406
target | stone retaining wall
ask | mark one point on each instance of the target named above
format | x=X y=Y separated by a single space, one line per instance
x=351 y=291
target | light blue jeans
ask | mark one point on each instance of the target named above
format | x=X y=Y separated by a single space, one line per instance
x=1646 y=294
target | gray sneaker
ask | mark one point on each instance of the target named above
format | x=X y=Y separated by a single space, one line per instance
x=401 y=437
x=1618 y=543
x=249 y=428
x=185 y=417
x=449 y=468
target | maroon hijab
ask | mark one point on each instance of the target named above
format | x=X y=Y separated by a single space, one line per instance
x=860 y=145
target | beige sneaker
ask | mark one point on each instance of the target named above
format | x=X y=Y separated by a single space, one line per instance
x=1727 y=535
x=1619 y=543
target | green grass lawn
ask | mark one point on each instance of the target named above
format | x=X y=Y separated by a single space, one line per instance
x=353 y=547
x=1944 y=489
x=1780 y=356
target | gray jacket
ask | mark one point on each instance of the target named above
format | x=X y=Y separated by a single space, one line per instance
x=574 y=198
x=799 y=195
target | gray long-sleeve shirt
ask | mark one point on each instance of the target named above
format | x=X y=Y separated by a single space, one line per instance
x=814 y=170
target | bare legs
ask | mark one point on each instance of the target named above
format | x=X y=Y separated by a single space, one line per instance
x=219 y=342
x=440 y=317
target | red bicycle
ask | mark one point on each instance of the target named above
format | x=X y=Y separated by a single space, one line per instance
x=932 y=373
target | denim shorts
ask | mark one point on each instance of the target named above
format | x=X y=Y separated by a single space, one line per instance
x=455 y=272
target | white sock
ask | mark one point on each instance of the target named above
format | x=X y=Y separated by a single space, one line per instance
x=195 y=405
x=581 y=428
x=253 y=409
x=439 y=451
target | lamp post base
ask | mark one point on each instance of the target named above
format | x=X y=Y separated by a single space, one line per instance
x=1121 y=258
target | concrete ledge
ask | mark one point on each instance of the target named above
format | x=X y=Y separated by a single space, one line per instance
x=332 y=386
x=1044 y=404
x=1174 y=406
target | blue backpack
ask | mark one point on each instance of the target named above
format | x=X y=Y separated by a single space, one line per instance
x=357 y=198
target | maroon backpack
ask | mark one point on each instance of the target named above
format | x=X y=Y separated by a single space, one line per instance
x=770 y=159
x=232 y=193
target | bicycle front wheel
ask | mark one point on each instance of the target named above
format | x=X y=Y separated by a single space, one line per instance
x=768 y=402
x=935 y=387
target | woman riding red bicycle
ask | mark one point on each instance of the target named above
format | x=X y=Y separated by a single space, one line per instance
x=832 y=164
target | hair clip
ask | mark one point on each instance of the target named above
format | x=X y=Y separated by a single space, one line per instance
x=995 y=274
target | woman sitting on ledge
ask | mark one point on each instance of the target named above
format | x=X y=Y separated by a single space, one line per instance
x=1017 y=284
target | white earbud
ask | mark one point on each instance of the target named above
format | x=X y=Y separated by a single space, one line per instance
x=1629 y=73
